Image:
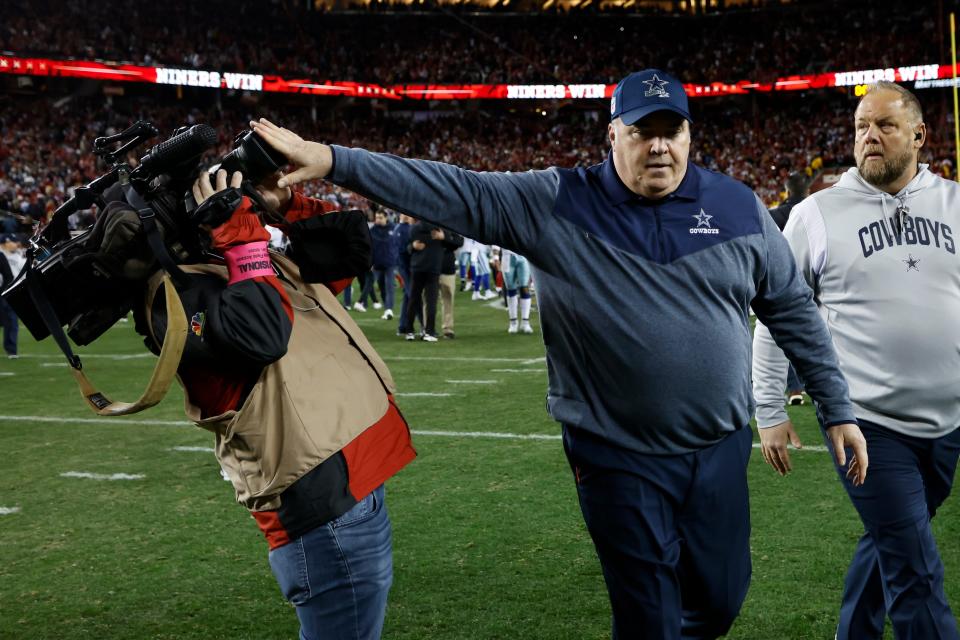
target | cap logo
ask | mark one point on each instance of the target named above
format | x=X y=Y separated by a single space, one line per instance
x=655 y=88
x=613 y=105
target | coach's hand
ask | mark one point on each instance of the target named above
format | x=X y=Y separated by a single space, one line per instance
x=312 y=159
x=773 y=445
x=849 y=435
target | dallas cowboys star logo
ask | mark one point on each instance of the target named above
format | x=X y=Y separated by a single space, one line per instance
x=703 y=219
x=911 y=262
x=655 y=87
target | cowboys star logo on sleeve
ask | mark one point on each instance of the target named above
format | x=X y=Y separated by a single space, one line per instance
x=656 y=88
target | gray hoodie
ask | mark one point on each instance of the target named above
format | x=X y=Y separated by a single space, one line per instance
x=886 y=277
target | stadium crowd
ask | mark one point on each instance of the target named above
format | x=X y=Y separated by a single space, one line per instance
x=45 y=147
x=447 y=46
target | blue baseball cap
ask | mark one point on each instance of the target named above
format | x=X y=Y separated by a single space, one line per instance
x=643 y=92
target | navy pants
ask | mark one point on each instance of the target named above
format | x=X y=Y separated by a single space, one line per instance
x=672 y=534
x=8 y=322
x=896 y=569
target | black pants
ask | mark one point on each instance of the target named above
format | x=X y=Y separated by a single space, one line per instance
x=423 y=283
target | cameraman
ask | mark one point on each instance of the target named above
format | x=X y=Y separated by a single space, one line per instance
x=301 y=407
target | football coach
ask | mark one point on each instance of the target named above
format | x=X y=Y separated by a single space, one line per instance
x=654 y=395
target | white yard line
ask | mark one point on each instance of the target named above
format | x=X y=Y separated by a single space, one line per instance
x=110 y=421
x=103 y=476
x=467 y=359
x=471 y=381
x=486 y=434
x=518 y=370
x=91 y=356
x=422 y=394
x=7 y=374
x=448 y=434
x=6 y=511
x=197 y=449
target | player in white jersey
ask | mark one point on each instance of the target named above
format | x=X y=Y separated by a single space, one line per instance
x=516 y=280
x=480 y=257
x=879 y=251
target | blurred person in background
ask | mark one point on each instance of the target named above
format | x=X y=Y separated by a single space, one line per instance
x=404 y=225
x=11 y=262
x=426 y=250
x=448 y=281
x=383 y=239
x=516 y=282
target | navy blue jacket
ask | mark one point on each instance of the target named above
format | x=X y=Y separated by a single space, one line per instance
x=644 y=305
x=385 y=247
x=402 y=237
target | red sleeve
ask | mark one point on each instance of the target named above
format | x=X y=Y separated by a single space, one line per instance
x=301 y=207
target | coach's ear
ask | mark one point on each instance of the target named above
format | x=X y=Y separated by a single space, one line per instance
x=919 y=135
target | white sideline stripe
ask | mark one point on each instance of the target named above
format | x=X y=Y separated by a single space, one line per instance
x=86 y=356
x=103 y=476
x=6 y=511
x=162 y=423
x=452 y=434
x=197 y=449
x=53 y=364
x=471 y=381
x=422 y=394
x=518 y=370
x=812 y=447
x=467 y=359
x=487 y=434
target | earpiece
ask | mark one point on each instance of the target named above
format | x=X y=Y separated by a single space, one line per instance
x=917 y=135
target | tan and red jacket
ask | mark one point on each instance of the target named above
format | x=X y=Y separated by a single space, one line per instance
x=299 y=401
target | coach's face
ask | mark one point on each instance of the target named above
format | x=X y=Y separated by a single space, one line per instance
x=888 y=140
x=650 y=155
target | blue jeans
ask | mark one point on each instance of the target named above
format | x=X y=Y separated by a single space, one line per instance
x=367 y=289
x=896 y=571
x=385 y=278
x=339 y=574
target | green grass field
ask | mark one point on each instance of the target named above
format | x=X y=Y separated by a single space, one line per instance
x=488 y=539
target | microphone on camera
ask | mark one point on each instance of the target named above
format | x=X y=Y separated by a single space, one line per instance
x=181 y=147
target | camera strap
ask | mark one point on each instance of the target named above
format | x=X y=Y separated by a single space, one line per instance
x=164 y=371
x=174 y=340
x=148 y=218
x=47 y=314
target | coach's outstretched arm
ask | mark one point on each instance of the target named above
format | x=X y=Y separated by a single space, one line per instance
x=503 y=208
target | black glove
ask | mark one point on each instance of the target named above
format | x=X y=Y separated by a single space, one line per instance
x=218 y=208
x=330 y=247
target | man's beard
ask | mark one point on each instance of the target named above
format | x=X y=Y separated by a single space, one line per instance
x=888 y=171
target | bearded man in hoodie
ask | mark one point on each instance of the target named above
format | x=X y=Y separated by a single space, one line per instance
x=878 y=250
